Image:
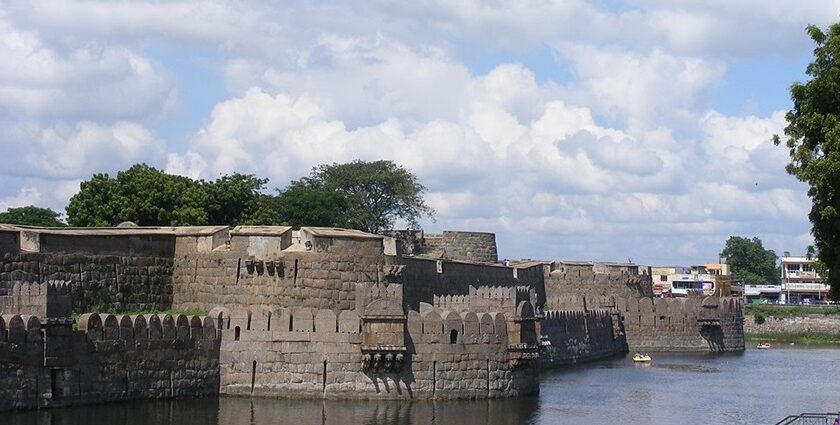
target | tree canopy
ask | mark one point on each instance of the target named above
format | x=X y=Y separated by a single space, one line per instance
x=813 y=138
x=150 y=197
x=306 y=204
x=370 y=196
x=32 y=216
x=375 y=194
x=750 y=262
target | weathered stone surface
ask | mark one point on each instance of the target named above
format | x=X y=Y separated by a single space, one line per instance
x=775 y=325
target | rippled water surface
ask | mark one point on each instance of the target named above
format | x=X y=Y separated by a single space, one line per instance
x=757 y=387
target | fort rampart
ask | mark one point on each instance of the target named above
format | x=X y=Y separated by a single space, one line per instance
x=44 y=362
x=314 y=353
x=323 y=313
x=592 y=279
x=683 y=324
x=475 y=247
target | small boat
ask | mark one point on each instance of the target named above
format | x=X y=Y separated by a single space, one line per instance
x=763 y=346
x=641 y=358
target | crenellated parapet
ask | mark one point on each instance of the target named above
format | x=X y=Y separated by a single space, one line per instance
x=107 y=357
x=301 y=324
x=185 y=331
x=436 y=326
x=684 y=324
x=48 y=299
x=489 y=298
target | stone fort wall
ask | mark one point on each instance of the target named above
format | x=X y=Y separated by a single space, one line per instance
x=250 y=275
x=102 y=282
x=424 y=278
x=314 y=353
x=476 y=247
x=50 y=299
x=580 y=336
x=199 y=268
x=596 y=280
x=9 y=240
x=683 y=324
x=44 y=362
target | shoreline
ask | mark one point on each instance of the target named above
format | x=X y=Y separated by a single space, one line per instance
x=798 y=338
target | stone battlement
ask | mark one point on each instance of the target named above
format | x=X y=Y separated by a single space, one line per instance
x=49 y=299
x=134 y=328
x=44 y=362
x=489 y=298
x=683 y=324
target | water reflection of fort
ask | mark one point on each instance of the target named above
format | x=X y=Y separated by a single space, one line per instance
x=246 y=411
x=242 y=411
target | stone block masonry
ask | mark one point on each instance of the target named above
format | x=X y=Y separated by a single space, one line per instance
x=829 y=325
x=51 y=299
x=328 y=313
x=324 y=275
x=316 y=354
x=47 y=363
x=582 y=333
x=691 y=324
x=473 y=247
x=100 y=282
x=596 y=280
x=425 y=278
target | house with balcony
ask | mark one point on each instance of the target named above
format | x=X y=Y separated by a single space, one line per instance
x=801 y=284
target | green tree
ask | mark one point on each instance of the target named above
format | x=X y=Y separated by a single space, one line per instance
x=377 y=193
x=32 y=216
x=750 y=262
x=813 y=138
x=233 y=199
x=304 y=203
x=142 y=194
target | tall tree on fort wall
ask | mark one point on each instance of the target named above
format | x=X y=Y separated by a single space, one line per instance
x=32 y=216
x=813 y=137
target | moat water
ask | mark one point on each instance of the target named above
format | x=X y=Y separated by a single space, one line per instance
x=757 y=387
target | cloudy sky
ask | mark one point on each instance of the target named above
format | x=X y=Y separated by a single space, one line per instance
x=572 y=129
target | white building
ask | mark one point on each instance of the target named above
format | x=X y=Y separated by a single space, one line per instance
x=800 y=282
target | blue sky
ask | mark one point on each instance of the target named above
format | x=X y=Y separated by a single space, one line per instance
x=581 y=130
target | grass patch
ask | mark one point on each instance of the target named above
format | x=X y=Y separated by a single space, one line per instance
x=801 y=338
x=781 y=311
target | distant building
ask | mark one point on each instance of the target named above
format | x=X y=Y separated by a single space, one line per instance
x=661 y=278
x=800 y=282
x=754 y=292
x=678 y=281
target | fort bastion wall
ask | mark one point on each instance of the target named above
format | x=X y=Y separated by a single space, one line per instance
x=264 y=269
x=315 y=353
x=332 y=313
x=424 y=278
x=475 y=247
x=596 y=280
